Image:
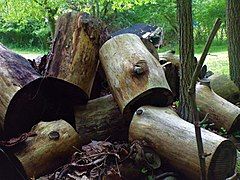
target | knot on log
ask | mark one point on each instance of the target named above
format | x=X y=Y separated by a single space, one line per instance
x=140 y=67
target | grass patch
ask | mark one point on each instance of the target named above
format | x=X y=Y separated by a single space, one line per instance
x=198 y=48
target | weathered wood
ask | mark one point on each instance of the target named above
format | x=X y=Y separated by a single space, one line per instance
x=221 y=112
x=174 y=139
x=100 y=119
x=15 y=72
x=26 y=97
x=134 y=75
x=224 y=87
x=46 y=151
x=74 y=56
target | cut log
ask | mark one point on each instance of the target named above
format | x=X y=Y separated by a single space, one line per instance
x=224 y=87
x=26 y=97
x=100 y=119
x=221 y=112
x=74 y=56
x=174 y=139
x=49 y=149
x=134 y=75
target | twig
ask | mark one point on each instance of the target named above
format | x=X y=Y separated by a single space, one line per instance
x=192 y=94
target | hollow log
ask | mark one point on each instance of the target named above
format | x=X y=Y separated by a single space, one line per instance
x=221 y=112
x=134 y=75
x=223 y=86
x=74 y=56
x=174 y=139
x=100 y=119
x=26 y=97
x=49 y=149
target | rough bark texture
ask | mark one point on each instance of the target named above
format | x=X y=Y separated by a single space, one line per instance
x=174 y=140
x=221 y=112
x=41 y=154
x=100 y=119
x=233 y=23
x=75 y=50
x=134 y=75
x=186 y=58
x=224 y=87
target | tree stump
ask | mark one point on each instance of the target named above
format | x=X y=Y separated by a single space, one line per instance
x=221 y=112
x=174 y=139
x=100 y=119
x=27 y=98
x=223 y=86
x=49 y=149
x=134 y=75
x=74 y=56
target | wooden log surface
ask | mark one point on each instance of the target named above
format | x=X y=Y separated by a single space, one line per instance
x=49 y=149
x=174 y=139
x=221 y=112
x=100 y=119
x=224 y=87
x=74 y=56
x=134 y=75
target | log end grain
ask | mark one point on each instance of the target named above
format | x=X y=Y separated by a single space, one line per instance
x=159 y=97
x=223 y=161
x=42 y=99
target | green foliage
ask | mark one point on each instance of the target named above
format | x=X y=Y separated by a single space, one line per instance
x=31 y=22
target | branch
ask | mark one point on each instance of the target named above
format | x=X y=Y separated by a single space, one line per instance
x=204 y=55
x=192 y=95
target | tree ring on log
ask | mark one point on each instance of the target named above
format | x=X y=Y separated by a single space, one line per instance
x=218 y=166
x=45 y=98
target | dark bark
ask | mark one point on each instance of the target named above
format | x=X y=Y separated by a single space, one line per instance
x=186 y=50
x=233 y=24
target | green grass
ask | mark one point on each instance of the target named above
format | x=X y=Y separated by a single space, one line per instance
x=198 y=48
x=216 y=60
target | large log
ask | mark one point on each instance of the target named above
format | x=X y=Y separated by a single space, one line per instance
x=100 y=119
x=174 y=139
x=74 y=56
x=225 y=87
x=221 y=112
x=49 y=149
x=134 y=75
x=26 y=97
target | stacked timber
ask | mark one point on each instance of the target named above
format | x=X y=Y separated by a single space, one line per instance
x=142 y=90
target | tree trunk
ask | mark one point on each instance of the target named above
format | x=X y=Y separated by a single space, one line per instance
x=49 y=149
x=26 y=98
x=100 y=119
x=186 y=50
x=174 y=140
x=221 y=112
x=75 y=50
x=224 y=87
x=233 y=24
x=134 y=75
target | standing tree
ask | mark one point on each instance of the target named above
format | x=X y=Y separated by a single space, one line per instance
x=233 y=24
x=186 y=49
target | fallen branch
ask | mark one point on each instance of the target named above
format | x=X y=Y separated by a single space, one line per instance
x=192 y=94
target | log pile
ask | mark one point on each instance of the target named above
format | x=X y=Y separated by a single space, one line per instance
x=45 y=115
